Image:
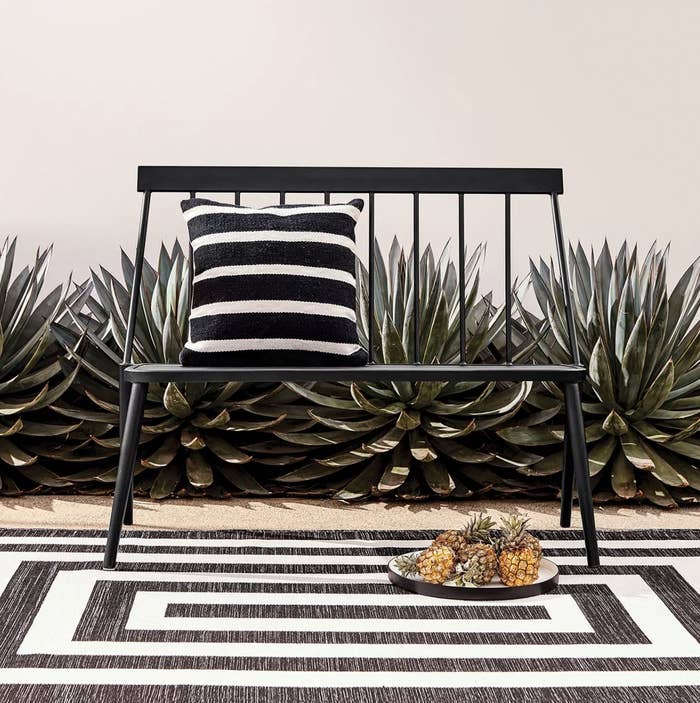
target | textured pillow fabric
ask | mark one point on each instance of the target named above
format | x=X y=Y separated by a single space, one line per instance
x=273 y=286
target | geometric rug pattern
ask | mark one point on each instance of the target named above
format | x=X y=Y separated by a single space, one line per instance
x=295 y=616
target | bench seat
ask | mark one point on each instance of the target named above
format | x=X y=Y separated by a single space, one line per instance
x=555 y=373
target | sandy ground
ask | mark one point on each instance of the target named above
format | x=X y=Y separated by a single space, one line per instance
x=74 y=512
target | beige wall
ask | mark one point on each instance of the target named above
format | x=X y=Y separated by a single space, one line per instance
x=606 y=89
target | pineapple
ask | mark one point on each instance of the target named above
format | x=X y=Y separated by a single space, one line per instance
x=436 y=564
x=476 y=530
x=456 y=540
x=520 y=553
x=481 y=560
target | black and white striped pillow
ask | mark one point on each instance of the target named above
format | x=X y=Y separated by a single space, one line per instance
x=273 y=286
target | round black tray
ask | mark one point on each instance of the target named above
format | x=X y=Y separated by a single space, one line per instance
x=547 y=580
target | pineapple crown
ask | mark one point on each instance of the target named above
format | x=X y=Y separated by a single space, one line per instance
x=512 y=531
x=407 y=564
x=478 y=528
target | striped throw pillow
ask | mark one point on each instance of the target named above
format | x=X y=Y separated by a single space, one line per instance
x=273 y=286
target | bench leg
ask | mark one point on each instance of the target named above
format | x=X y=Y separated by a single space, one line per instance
x=124 y=392
x=567 y=478
x=127 y=458
x=579 y=456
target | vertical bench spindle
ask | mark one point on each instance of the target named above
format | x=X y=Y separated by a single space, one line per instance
x=508 y=285
x=370 y=270
x=416 y=279
x=564 y=272
x=237 y=197
x=462 y=293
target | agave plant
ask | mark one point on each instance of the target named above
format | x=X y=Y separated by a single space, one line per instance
x=642 y=347
x=414 y=439
x=30 y=371
x=192 y=434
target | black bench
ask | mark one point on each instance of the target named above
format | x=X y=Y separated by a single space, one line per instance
x=134 y=378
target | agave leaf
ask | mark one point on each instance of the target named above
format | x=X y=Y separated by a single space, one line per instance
x=437 y=477
x=622 y=477
x=163 y=455
x=169 y=425
x=599 y=454
x=658 y=391
x=225 y=451
x=551 y=464
x=368 y=425
x=651 y=432
x=24 y=404
x=509 y=456
x=691 y=430
x=655 y=491
x=601 y=374
x=421 y=449
x=280 y=459
x=316 y=439
x=202 y=421
x=43 y=476
x=529 y=436
x=663 y=470
x=426 y=393
x=633 y=362
x=385 y=442
x=14 y=428
x=272 y=447
x=175 y=401
x=394 y=353
x=84 y=414
x=460 y=452
x=372 y=408
x=12 y=455
x=408 y=420
x=502 y=401
x=310 y=472
x=166 y=482
x=361 y=486
x=244 y=426
x=447 y=430
x=191 y=439
x=320 y=399
x=346 y=458
x=199 y=472
x=635 y=453
x=397 y=469
x=614 y=424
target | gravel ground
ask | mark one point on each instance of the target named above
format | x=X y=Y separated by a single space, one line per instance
x=298 y=514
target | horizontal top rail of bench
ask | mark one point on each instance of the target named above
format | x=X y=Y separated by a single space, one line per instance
x=160 y=373
x=320 y=179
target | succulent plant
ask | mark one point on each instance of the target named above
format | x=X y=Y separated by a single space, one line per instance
x=192 y=434
x=30 y=372
x=414 y=439
x=642 y=399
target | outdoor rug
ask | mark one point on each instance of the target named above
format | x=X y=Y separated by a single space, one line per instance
x=294 y=616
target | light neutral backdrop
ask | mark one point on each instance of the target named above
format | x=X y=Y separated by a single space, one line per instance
x=606 y=89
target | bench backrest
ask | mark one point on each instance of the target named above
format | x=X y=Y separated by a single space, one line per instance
x=329 y=180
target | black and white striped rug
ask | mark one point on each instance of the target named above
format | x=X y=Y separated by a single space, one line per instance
x=293 y=616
